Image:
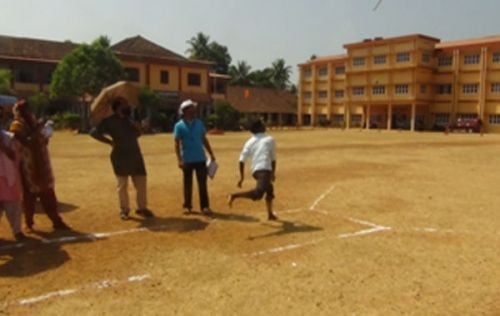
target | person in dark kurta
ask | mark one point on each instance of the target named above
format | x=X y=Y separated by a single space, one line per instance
x=36 y=170
x=126 y=156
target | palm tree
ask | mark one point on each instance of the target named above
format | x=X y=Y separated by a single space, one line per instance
x=280 y=74
x=199 y=47
x=262 y=78
x=240 y=74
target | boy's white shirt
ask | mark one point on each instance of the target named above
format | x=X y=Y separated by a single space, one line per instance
x=262 y=149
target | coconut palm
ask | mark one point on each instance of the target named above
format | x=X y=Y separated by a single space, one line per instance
x=280 y=74
x=199 y=47
x=240 y=74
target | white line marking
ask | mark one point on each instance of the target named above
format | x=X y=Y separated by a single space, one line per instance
x=104 y=284
x=364 y=232
x=321 y=197
x=284 y=248
x=433 y=230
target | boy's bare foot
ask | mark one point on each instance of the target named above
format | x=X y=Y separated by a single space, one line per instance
x=230 y=200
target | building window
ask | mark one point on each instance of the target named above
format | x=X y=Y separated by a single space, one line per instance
x=402 y=57
x=379 y=59
x=496 y=57
x=444 y=89
x=194 y=79
x=378 y=90
x=339 y=93
x=25 y=76
x=323 y=94
x=442 y=119
x=494 y=119
x=356 y=120
x=471 y=59
x=401 y=89
x=423 y=88
x=445 y=61
x=338 y=120
x=358 y=61
x=358 y=90
x=466 y=116
x=426 y=57
x=323 y=71
x=495 y=87
x=340 y=70
x=164 y=76
x=132 y=74
x=470 y=88
x=307 y=72
x=307 y=95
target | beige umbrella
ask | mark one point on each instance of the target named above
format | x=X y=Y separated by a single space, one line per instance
x=101 y=106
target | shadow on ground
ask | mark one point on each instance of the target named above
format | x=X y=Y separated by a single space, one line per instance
x=287 y=227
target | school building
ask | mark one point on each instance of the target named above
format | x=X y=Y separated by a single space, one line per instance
x=172 y=76
x=413 y=82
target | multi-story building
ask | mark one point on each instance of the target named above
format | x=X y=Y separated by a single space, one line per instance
x=407 y=82
x=174 y=77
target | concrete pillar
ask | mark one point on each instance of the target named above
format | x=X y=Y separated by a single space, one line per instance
x=368 y=116
x=413 y=112
x=389 y=117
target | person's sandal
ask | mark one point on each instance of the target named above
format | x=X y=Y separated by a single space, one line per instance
x=207 y=211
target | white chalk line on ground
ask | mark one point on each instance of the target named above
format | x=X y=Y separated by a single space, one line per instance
x=321 y=197
x=101 y=285
x=86 y=237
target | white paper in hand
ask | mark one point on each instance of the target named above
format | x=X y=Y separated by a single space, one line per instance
x=212 y=167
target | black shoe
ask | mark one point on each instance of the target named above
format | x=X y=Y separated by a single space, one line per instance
x=20 y=237
x=207 y=211
x=145 y=213
x=124 y=215
x=61 y=226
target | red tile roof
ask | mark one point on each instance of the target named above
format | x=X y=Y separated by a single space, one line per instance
x=261 y=100
x=140 y=46
x=34 y=49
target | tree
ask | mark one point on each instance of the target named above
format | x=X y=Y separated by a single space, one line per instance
x=280 y=74
x=5 y=77
x=84 y=72
x=262 y=78
x=201 y=48
x=240 y=74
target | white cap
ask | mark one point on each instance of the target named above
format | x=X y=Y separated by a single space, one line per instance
x=187 y=103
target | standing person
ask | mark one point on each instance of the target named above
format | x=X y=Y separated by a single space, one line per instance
x=190 y=139
x=262 y=150
x=10 y=184
x=36 y=170
x=126 y=156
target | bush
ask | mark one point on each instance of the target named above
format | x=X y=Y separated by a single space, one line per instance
x=67 y=120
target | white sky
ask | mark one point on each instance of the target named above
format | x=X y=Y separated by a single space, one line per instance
x=257 y=31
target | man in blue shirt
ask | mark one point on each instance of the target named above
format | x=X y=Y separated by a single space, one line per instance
x=190 y=141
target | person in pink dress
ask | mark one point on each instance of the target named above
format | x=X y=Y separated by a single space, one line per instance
x=10 y=184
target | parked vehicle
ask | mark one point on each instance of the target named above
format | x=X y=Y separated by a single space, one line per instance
x=471 y=125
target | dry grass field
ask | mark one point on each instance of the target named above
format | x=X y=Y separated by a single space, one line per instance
x=371 y=223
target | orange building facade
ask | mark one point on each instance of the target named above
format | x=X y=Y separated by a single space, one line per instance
x=412 y=82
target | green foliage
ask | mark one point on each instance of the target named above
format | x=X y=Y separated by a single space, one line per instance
x=86 y=70
x=67 y=120
x=149 y=102
x=5 y=77
x=227 y=117
x=201 y=48
x=240 y=74
x=39 y=103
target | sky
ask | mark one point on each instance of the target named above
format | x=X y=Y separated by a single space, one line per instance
x=256 y=31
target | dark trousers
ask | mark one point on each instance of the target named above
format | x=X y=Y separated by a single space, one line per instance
x=264 y=186
x=49 y=204
x=201 y=176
